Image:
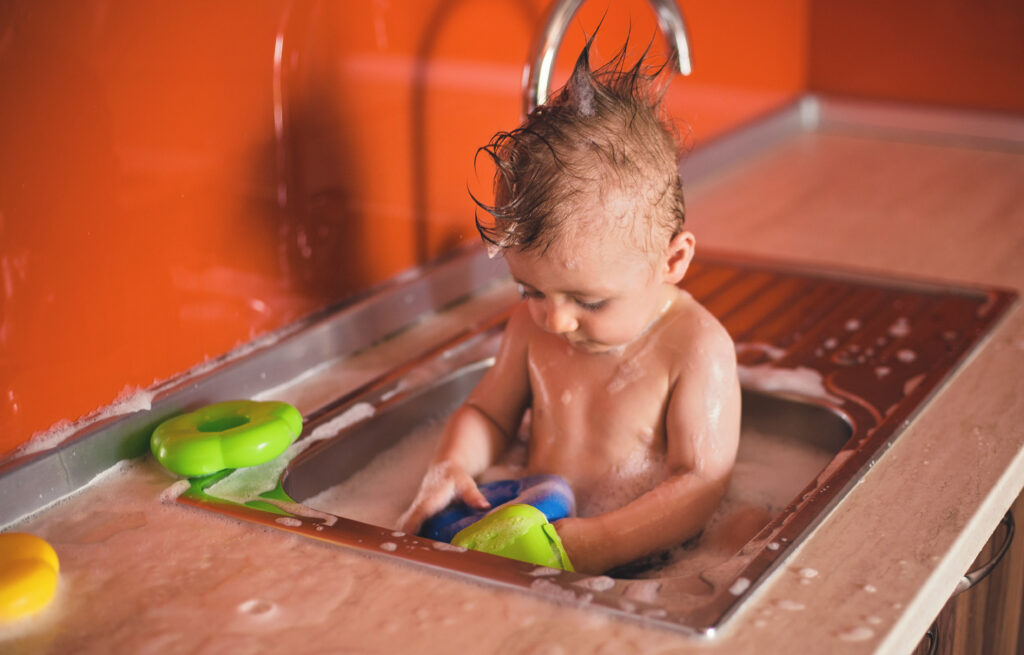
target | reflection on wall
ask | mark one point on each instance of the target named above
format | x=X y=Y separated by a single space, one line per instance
x=180 y=178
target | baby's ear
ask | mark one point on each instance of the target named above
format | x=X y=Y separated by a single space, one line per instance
x=678 y=255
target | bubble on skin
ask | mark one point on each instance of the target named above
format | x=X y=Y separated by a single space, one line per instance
x=257 y=607
x=647 y=434
x=774 y=545
x=870 y=588
x=288 y=521
x=852 y=325
x=808 y=573
x=882 y=371
x=566 y=397
x=389 y=546
x=628 y=372
x=831 y=343
x=906 y=355
x=789 y=605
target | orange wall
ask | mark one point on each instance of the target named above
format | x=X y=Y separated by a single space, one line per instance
x=179 y=178
x=964 y=53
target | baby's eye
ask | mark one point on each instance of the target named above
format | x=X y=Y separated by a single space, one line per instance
x=594 y=306
x=529 y=293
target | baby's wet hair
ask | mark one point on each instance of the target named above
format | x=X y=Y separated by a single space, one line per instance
x=600 y=143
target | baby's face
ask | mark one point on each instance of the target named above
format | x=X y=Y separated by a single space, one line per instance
x=598 y=296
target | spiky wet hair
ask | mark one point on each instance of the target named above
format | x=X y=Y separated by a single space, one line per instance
x=601 y=141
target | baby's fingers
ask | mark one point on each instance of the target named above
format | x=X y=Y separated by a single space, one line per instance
x=412 y=520
x=431 y=500
x=470 y=493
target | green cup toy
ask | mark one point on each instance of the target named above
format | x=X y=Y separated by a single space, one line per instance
x=231 y=434
x=520 y=532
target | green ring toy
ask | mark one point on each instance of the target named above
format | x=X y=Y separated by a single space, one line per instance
x=231 y=434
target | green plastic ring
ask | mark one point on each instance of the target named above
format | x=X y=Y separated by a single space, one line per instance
x=232 y=434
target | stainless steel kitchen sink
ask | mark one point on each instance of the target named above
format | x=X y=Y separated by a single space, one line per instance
x=834 y=366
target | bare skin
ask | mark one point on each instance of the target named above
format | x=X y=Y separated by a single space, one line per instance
x=633 y=390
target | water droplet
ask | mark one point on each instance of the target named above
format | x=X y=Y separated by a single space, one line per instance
x=906 y=355
x=738 y=587
x=859 y=633
x=900 y=328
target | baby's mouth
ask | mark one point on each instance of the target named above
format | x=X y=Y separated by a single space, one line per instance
x=588 y=346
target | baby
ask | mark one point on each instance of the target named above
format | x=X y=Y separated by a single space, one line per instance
x=631 y=384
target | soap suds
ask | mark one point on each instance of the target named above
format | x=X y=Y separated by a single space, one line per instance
x=754 y=349
x=542 y=571
x=173 y=492
x=799 y=381
x=770 y=470
x=858 y=633
x=906 y=355
x=247 y=484
x=598 y=583
x=900 y=328
x=129 y=401
x=738 y=587
x=440 y=545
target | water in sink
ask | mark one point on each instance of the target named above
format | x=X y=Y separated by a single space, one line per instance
x=784 y=445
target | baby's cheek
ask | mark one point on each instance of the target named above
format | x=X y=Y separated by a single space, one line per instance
x=619 y=329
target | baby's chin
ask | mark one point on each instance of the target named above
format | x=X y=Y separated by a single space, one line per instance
x=594 y=347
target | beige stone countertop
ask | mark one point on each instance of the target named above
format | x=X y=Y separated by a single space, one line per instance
x=140 y=575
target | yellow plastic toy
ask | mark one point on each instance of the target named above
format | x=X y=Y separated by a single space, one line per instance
x=28 y=575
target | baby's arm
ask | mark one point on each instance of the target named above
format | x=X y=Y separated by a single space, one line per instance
x=702 y=432
x=478 y=432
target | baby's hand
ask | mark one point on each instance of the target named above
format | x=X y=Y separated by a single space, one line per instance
x=441 y=485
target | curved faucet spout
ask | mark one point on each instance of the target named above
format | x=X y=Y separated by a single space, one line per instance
x=538 y=69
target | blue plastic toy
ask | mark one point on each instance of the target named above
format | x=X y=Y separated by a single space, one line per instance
x=550 y=494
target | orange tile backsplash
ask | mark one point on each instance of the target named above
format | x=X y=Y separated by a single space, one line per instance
x=178 y=179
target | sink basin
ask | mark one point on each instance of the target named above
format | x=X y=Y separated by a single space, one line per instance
x=834 y=366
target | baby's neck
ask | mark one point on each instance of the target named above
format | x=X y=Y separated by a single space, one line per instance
x=638 y=341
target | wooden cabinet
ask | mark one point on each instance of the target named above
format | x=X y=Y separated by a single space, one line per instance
x=987 y=619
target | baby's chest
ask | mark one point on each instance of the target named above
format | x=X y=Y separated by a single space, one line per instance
x=598 y=393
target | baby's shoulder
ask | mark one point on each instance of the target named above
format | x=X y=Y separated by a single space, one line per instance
x=694 y=332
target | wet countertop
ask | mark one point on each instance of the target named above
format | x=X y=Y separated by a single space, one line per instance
x=143 y=575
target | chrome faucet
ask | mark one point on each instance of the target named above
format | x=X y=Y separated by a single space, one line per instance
x=537 y=72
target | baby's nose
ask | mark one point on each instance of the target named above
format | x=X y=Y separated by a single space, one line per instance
x=560 y=319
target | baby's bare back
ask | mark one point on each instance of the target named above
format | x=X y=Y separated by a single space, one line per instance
x=599 y=419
